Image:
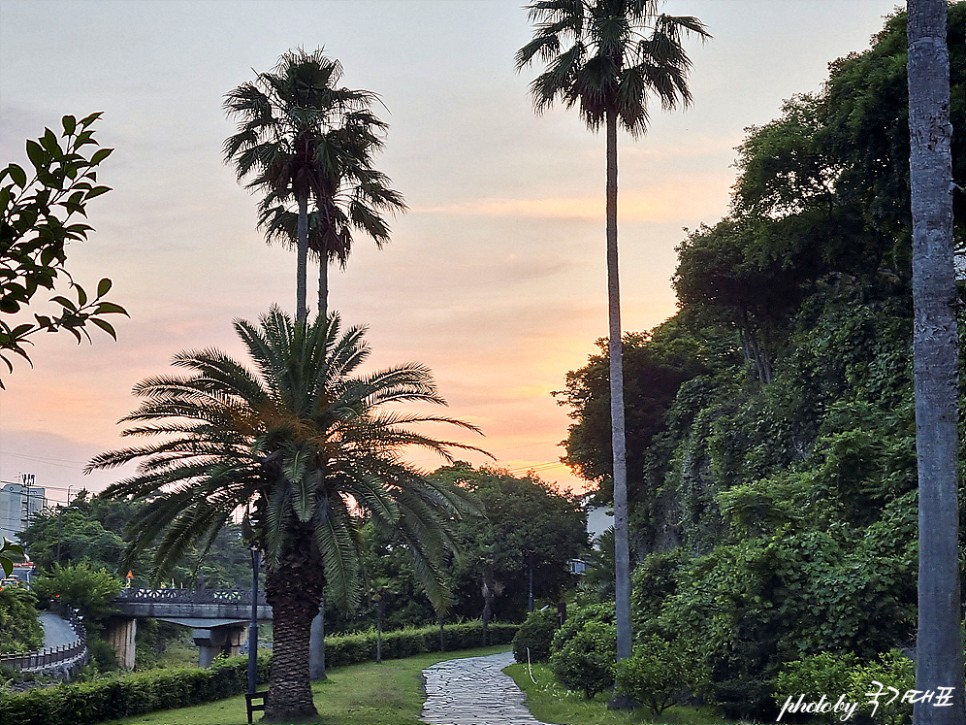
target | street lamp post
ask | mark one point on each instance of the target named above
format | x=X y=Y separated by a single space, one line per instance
x=253 y=626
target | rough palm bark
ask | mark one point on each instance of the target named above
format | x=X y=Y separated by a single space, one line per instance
x=622 y=563
x=301 y=265
x=939 y=649
x=323 y=282
x=294 y=593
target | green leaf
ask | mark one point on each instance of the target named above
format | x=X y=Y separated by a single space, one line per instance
x=18 y=175
x=70 y=124
x=97 y=191
x=88 y=120
x=106 y=326
x=100 y=155
x=106 y=308
x=81 y=296
x=35 y=152
x=103 y=287
x=63 y=302
x=49 y=141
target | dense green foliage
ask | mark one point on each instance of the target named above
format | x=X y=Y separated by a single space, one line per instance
x=843 y=674
x=38 y=219
x=775 y=514
x=532 y=642
x=96 y=530
x=658 y=672
x=82 y=586
x=584 y=650
x=109 y=698
x=20 y=630
x=526 y=524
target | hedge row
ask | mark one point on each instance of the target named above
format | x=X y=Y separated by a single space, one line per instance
x=114 y=697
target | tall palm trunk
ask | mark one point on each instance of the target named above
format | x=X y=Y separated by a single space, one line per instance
x=294 y=596
x=323 y=281
x=939 y=651
x=615 y=348
x=301 y=268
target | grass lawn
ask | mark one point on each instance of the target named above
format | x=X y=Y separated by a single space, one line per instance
x=551 y=703
x=367 y=694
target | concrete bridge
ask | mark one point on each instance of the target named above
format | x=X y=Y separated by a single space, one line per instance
x=218 y=618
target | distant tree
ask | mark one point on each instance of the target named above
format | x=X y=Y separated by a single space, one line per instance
x=305 y=445
x=90 y=589
x=37 y=221
x=303 y=138
x=655 y=366
x=522 y=546
x=72 y=536
x=607 y=57
x=939 y=646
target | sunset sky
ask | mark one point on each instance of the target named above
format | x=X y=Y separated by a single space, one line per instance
x=495 y=276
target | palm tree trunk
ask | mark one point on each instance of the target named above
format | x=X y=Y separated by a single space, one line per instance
x=939 y=650
x=295 y=602
x=323 y=283
x=301 y=269
x=615 y=348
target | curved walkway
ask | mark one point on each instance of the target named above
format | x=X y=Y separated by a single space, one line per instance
x=474 y=691
x=57 y=631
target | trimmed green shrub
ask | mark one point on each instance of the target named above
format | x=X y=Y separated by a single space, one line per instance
x=837 y=675
x=536 y=635
x=813 y=676
x=892 y=669
x=584 y=662
x=657 y=673
x=114 y=697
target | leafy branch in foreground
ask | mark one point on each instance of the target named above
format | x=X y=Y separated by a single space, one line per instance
x=38 y=218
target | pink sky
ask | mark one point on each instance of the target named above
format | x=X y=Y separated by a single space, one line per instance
x=495 y=277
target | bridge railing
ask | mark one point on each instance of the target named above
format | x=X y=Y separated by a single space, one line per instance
x=142 y=595
x=51 y=656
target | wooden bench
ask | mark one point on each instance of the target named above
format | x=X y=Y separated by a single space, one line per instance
x=255 y=701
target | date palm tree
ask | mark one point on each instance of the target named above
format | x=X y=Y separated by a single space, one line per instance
x=939 y=648
x=608 y=58
x=302 y=138
x=304 y=448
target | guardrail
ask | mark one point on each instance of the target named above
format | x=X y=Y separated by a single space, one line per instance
x=52 y=656
x=141 y=595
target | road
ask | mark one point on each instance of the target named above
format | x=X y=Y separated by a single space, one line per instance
x=57 y=631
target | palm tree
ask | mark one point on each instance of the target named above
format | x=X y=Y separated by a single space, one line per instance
x=607 y=57
x=939 y=650
x=303 y=447
x=303 y=138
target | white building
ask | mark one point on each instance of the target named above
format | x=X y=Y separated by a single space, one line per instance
x=19 y=504
x=599 y=520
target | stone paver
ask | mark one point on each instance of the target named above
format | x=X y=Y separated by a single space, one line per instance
x=474 y=691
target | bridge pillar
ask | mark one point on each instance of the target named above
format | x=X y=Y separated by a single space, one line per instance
x=214 y=641
x=120 y=632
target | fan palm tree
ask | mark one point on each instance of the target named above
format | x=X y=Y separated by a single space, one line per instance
x=301 y=138
x=939 y=644
x=607 y=57
x=304 y=448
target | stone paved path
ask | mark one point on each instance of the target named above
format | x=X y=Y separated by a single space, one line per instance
x=474 y=691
